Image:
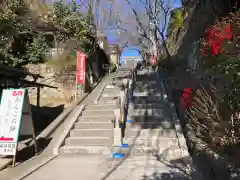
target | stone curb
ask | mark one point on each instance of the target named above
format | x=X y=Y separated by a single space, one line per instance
x=99 y=94
x=181 y=139
x=67 y=129
x=34 y=168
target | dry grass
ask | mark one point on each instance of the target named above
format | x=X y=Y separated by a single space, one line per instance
x=212 y=121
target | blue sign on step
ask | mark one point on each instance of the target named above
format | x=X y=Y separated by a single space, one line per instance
x=124 y=145
x=129 y=121
x=118 y=155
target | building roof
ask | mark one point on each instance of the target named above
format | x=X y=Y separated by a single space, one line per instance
x=101 y=35
x=113 y=48
x=17 y=75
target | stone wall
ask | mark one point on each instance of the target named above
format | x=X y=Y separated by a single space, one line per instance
x=64 y=80
x=201 y=14
x=65 y=84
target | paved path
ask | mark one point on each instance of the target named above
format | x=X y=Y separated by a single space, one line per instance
x=47 y=154
x=147 y=166
x=99 y=168
x=142 y=166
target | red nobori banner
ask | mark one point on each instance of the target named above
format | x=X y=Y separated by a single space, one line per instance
x=153 y=59
x=81 y=67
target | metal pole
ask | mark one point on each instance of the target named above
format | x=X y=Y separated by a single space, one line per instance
x=149 y=19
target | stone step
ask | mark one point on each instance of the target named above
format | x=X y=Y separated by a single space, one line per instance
x=145 y=88
x=150 y=125
x=148 y=82
x=111 y=91
x=108 y=98
x=91 y=133
x=152 y=142
x=157 y=105
x=93 y=125
x=114 y=89
x=144 y=116
x=100 y=107
x=166 y=133
x=96 y=119
x=150 y=106
x=86 y=150
x=147 y=118
x=88 y=141
x=101 y=101
x=163 y=153
x=150 y=101
x=118 y=82
x=98 y=112
x=110 y=86
x=144 y=85
x=154 y=112
x=140 y=93
x=110 y=95
x=147 y=98
x=147 y=115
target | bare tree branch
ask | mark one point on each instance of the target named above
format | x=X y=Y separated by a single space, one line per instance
x=145 y=26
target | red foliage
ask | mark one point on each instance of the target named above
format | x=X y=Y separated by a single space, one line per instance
x=186 y=99
x=214 y=39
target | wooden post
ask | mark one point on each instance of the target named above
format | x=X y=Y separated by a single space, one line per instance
x=38 y=96
x=14 y=158
x=30 y=113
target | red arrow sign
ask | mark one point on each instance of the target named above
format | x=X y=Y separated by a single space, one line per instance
x=5 y=139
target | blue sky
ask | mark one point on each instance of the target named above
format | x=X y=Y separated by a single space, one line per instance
x=129 y=51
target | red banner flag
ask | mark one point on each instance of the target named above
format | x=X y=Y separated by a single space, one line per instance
x=153 y=59
x=81 y=67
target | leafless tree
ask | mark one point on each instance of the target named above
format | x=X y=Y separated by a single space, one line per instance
x=143 y=24
x=100 y=12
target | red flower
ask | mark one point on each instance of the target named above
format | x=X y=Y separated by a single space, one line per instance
x=228 y=28
x=203 y=52
x=186 y=99
x=214 y=39
x=187 y=90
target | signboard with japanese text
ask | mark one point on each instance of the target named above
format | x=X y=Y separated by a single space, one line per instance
x=81 y=68
x=12 y=111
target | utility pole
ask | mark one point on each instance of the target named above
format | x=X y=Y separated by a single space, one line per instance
x=151 y=30
x=97 y=15
x=149 y=25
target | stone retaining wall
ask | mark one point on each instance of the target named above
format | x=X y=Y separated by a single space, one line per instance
x=201 y=14
x=65 y=84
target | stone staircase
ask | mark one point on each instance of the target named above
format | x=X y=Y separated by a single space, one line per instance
x=152 y=130
x=92 y=133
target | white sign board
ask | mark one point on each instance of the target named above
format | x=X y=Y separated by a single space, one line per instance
x=26 y=122
x=10 y=119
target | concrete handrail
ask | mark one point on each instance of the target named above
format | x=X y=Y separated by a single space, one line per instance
x=120 y=114
x=117 y=128
x=46 y=133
